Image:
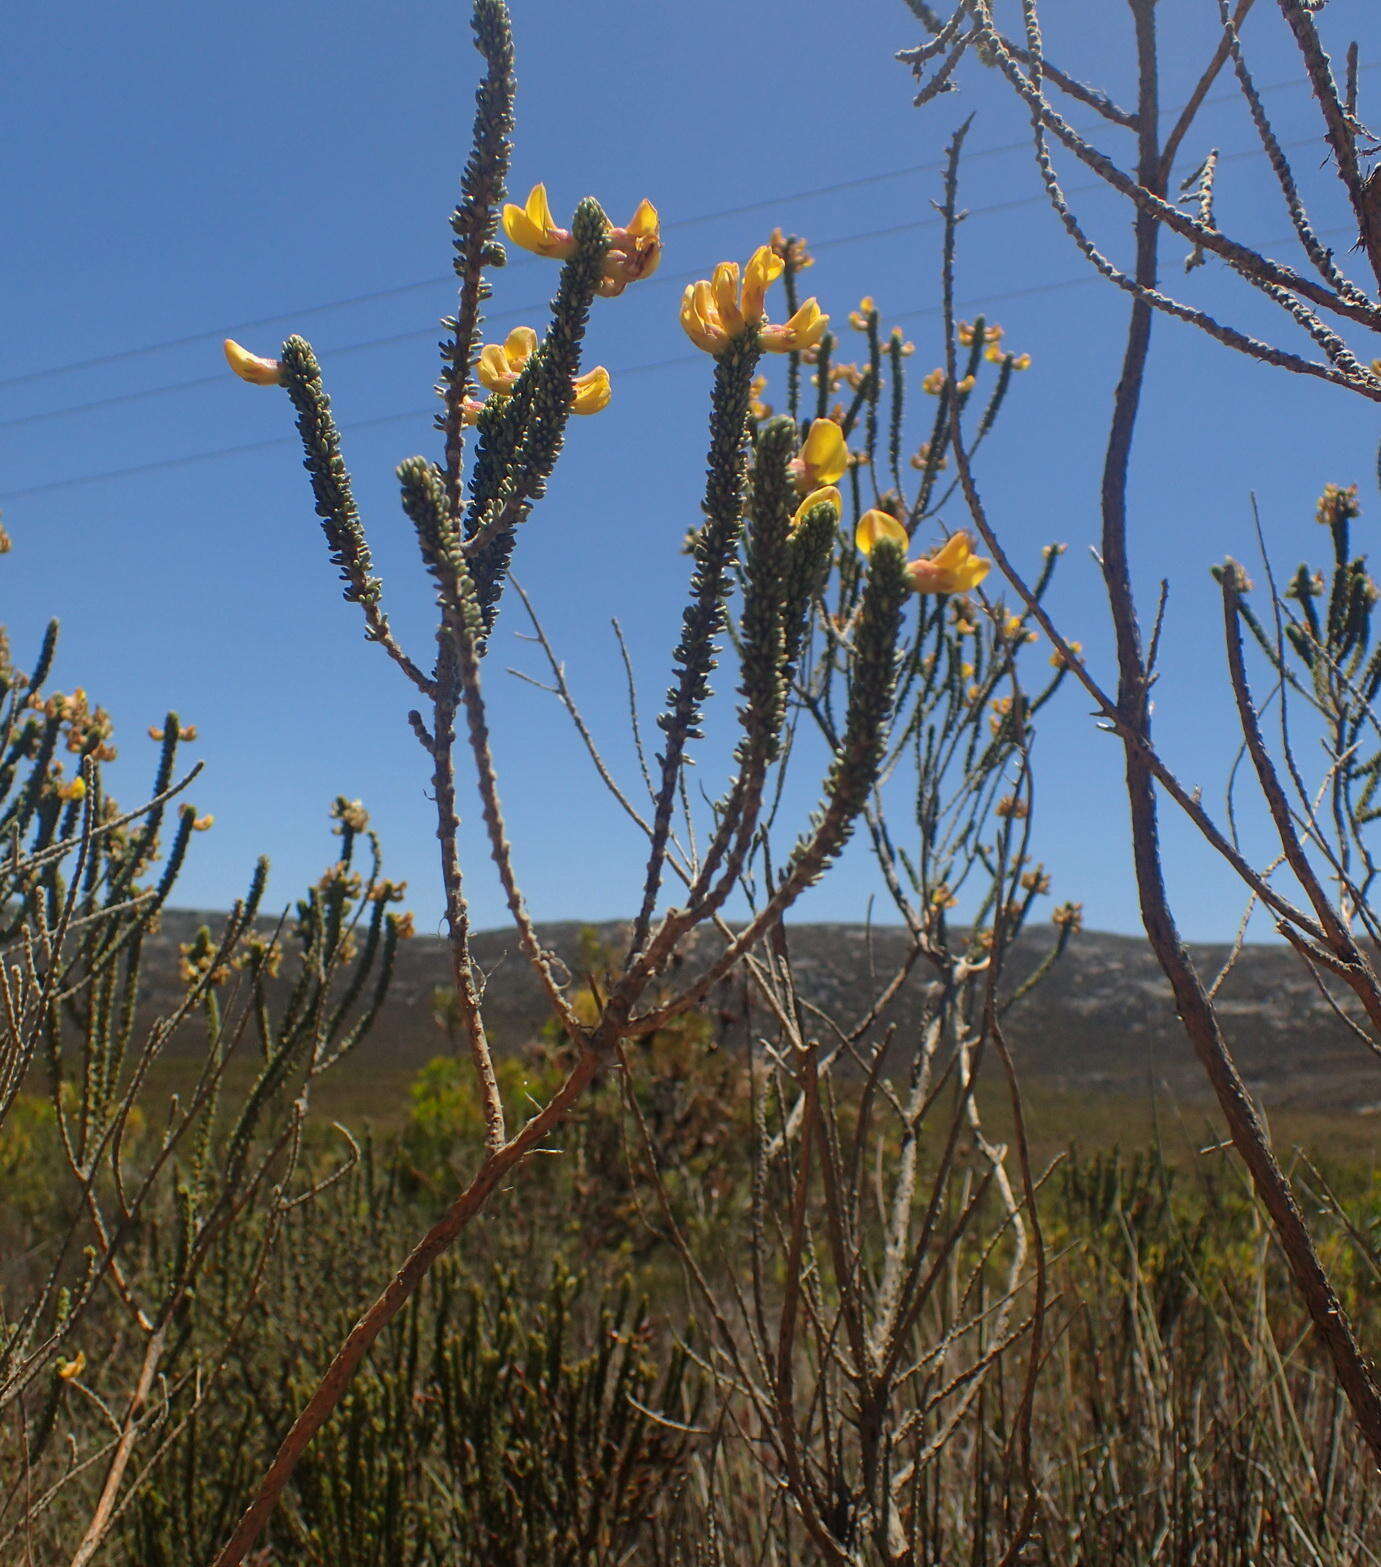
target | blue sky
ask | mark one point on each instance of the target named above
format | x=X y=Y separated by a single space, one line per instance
x=175 y=173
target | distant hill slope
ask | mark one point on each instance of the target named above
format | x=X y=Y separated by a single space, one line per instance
x=1102 y=1023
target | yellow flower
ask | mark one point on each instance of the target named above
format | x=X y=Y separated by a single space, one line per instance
x=933 y=382
x=470 y=410
x=759 y=409
x=858 y=319
x=1021 y=362
x=715 y=312
x=533 y=228
x=804 y=330
x=1059 y=661
x=253 y=368
x=823 y=459
x=826 y=495
x=500 y=365
x=634 y=251
x=966 y=385
x=592 y=391
x=952 y=569
x=70 y=1370
x=75 y=790
x=874 y=525
x=203 y=823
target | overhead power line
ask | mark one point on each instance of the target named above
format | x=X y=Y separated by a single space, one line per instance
x=398 y=290
x=518 y=312
x=916 y=313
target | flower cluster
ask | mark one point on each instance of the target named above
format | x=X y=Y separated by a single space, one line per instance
x=500 y=365
x=953 y=568
x=988 y=335
x=1337 y=504
x=88 y=729
x=718 y=310
x=635 y=251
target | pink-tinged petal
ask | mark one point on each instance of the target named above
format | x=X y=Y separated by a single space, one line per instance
x=592 y=391
x=253 y=368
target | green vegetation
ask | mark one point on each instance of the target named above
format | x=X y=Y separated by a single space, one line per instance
x=710 y=1273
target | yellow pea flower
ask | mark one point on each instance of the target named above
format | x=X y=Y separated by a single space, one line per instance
x=719 y=309
x=592 y=391
x=500 y=364
x=70 y=1370
x=823 y=459
x=827 y=495
x=804 y=330
x=635 y=251
x=932 y=382
x=954 y=568
x=533 y=228
x=253 y=368
x=874 y=525
x=75 y=790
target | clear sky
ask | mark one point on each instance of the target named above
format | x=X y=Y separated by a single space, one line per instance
x=174 y=173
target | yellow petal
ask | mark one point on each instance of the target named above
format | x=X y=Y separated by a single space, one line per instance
x=645 y=222
x=804 y=330
x=538 y=212
x=592 y=391
x=531 y=227
x=696 y=323
x=953 y=552
x=724 y=290
x=764 y=268
x=519 y=346
x=493 y=369
x=522 y=231
x=874 y=525
x=825 y=454
x=827 y=496
x=253 y=368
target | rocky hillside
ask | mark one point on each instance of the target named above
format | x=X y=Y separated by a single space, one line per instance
x=1102 y=1023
